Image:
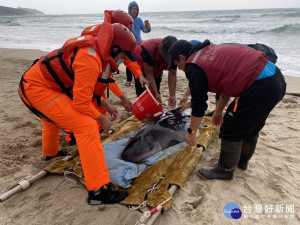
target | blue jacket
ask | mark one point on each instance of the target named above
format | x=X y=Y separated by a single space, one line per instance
x=138 y=23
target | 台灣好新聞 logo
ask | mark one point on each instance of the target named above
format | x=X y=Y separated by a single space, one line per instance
x=232 y=210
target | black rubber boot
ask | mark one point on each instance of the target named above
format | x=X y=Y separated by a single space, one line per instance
x=59 y=153
x=216 y=173
x=106 y=195
x=229 y=157
x=248 y=148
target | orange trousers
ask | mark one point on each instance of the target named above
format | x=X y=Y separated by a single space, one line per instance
x=101 y=110
x=58 y=107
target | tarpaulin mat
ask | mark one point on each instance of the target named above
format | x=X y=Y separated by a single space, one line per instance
x=174 y=169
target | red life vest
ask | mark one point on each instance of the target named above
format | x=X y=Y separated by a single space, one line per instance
x=94 y=29
x=102 y=83
x=59 y=73
x=91 y=30
x=230 y=69
x=151 y=46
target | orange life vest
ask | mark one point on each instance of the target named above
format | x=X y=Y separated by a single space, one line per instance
x=94 y=29
x=59 y=74
x=56 y=71
x=107 y=78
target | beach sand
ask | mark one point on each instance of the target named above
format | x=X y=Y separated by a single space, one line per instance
x=272 y=180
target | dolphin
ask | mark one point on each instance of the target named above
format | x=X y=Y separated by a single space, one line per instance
x=158 y=134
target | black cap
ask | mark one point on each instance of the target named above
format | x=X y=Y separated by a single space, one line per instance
x=181 y=47
x=166 y=44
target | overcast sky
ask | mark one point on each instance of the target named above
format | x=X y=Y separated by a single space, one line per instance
x=98 y=6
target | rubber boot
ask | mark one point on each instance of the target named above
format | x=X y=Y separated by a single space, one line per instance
x=59 y=153
x=229 y=158
x=248 y=148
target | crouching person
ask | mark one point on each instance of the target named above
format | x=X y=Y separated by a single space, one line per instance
x=233 y=70
x=59 y=89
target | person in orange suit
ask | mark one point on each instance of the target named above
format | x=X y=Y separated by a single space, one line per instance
x=59 y=89
x=106 y=82
x=119 y=16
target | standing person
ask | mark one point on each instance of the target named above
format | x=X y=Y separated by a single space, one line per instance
x=232 y=70
x=59 y=89
x=153 y=57
x=133 y=10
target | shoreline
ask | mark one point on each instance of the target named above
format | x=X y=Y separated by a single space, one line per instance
x=293 y=82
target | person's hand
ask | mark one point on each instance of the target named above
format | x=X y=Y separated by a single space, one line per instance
x=217 y=118
x=158 y=98
x=185 y=105
x=105 y=123
x=147 y=25
x=190 y=139
x=143 y=81
x=183 y=100
x=127 y=104
x=172 y=102
x=112 y=111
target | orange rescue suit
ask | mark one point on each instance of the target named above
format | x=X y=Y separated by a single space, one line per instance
x=94 y=31
x=107 y=80
x=78 y=114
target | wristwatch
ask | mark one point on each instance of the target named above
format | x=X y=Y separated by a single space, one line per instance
x=190 y=131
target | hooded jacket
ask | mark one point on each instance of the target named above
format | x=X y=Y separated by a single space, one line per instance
x=138 y=23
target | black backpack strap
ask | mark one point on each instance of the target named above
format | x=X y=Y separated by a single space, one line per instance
x=72 y=60
x=105 y=81
x=55 y=77
x=63 y=64
x=98 y=99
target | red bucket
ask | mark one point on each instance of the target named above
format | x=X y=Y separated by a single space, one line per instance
x=145 y=105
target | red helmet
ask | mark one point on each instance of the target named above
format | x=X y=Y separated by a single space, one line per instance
x=119 y=16
x=123 y=37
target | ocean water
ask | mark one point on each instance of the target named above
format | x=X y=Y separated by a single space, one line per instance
x=278 y=28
